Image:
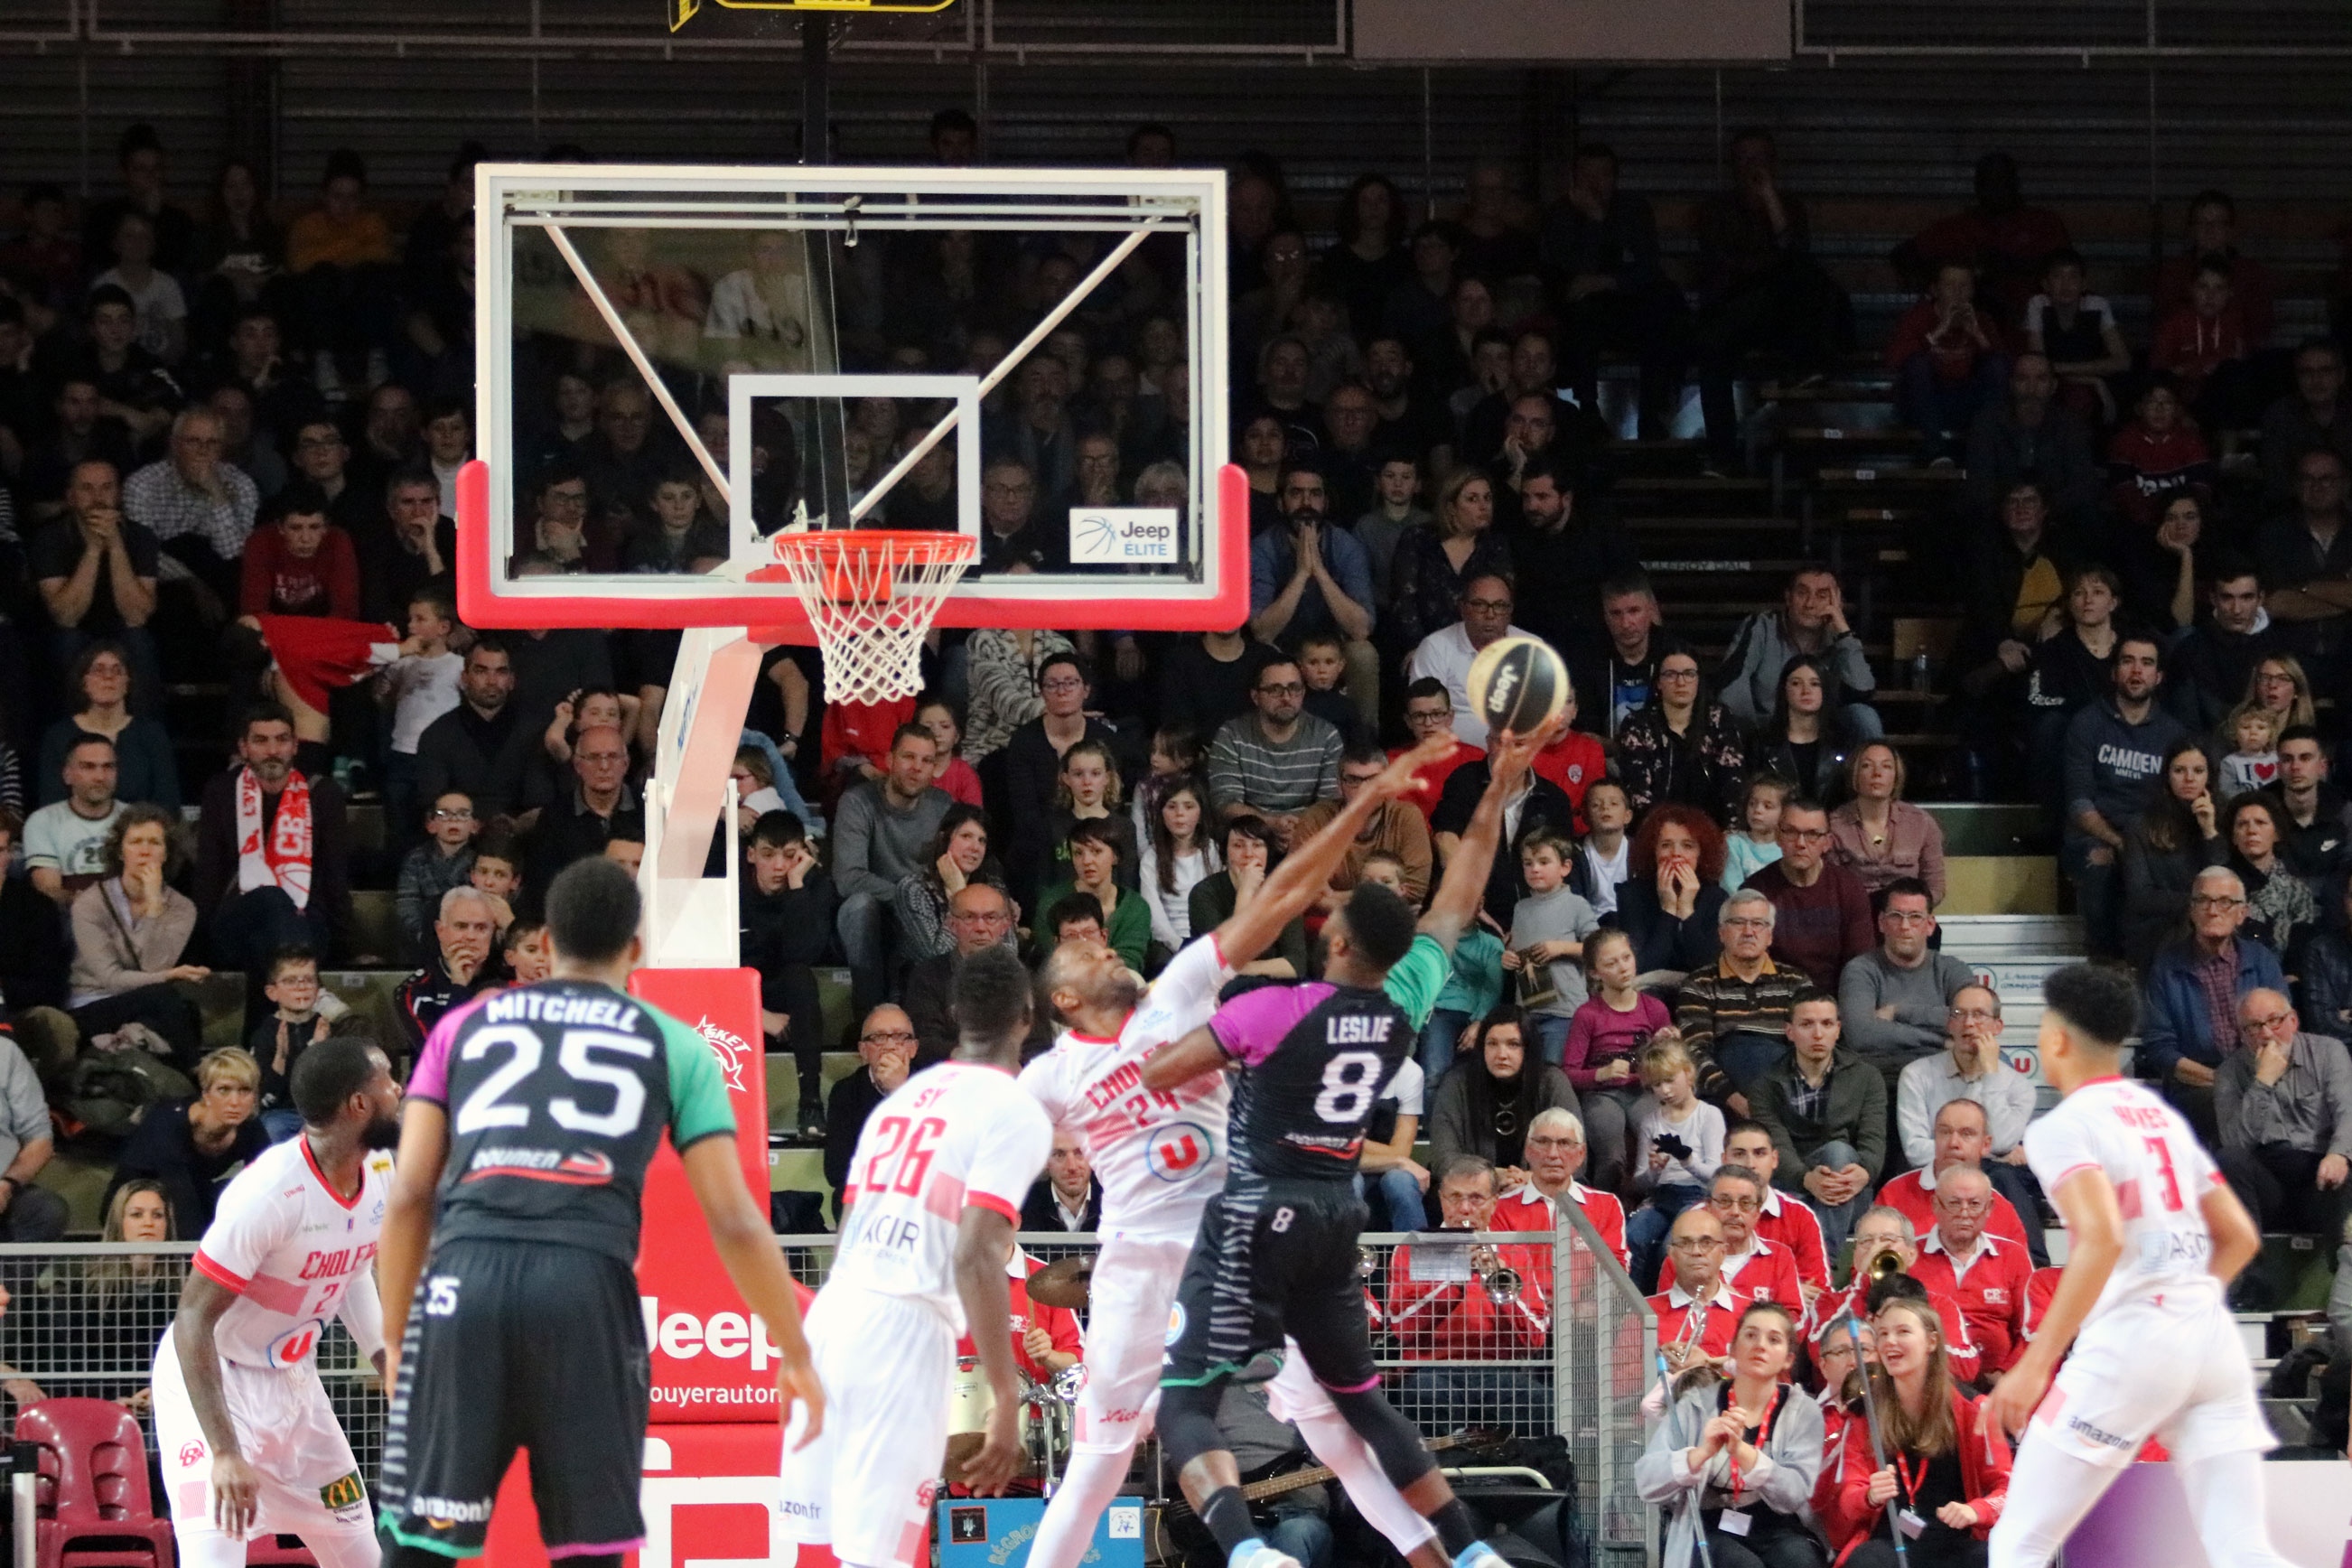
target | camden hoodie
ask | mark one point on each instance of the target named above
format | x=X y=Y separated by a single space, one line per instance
x=2110 y=761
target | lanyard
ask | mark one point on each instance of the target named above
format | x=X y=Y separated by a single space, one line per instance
x=1763 y=1431
x=1908 y=1482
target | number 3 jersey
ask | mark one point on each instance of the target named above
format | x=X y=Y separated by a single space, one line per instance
x=956 y=1135
x=1318 y=1055
x=296 y=1253
x=557 y=1095
x=2161 y=1174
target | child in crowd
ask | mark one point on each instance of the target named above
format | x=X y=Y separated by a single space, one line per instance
x=1604 y=1040
x=2078 y=332
x=1088 y=792
x=1548 y=926
x=955 y=776
x=1601 y=863
x=303 y=565
x=1323 y=665
x=1757 y=843
x=279 y=1039
x=2254 y=729
x=683 y=536
x=1177 y=752
x=497 y=873
x=1473 y=986
x=1179 y=854
x=2203 y=346
x=589 y=708
x=444 y=860
x=523 y=949
x=1396 y=511
x=1677 y=1145
x=755 y=787
x=418 y=687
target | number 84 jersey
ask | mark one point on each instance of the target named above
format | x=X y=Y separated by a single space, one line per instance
x=557 y=1095
x=960 y=1134
x=2161 y=1174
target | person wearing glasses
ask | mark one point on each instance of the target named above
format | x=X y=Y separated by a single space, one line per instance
x=2178 y=1044
x=886 y=1048
x=979 y=914
x=1447 y=654
x=1278 y=760
x=1971 y=1067
x=1985 y=1275
x=1821 y=911
x=1897 y=998
x=2283 y=1104
x=1758 y=1268
x=1698 y=1314
x=1682 y=747
x=1963 y=1139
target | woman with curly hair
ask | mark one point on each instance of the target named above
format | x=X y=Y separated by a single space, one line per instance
x=1682 y=747
x=1673 y=892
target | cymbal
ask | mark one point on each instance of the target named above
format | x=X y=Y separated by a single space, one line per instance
x=1062 y=1284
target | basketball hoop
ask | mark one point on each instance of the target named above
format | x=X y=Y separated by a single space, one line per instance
x=871 y=594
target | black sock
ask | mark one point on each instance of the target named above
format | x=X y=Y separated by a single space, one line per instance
x=1227 y=1515
x=1456 y=1530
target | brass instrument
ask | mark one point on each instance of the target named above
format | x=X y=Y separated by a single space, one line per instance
x=1502 y=1282
x=1883 y=1265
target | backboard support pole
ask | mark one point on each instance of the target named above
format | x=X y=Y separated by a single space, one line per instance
x=691 y=920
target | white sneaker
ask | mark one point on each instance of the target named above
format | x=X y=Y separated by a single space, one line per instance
x=1262 y=1556
x=1478 y=1555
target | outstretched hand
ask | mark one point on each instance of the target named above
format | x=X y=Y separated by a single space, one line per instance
x=1510 y=755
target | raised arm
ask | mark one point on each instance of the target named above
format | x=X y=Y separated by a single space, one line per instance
x=1462 y=892
x=1295 y=884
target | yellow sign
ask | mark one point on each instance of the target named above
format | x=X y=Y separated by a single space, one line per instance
x=681 y=12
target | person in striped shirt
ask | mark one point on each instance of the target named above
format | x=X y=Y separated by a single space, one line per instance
x=1280 y=759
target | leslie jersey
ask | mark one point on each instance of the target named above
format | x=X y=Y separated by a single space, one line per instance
x=1318 y=1055
x=295 y=1253
x=954 y=1135
x=1160 y=1154
x=557 y=1095
x=2161 y=1174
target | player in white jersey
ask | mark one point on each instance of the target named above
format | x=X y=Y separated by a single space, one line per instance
x=2154 y=1237
x=932 y=1200
x=1160 y=1156
x=250 y=1445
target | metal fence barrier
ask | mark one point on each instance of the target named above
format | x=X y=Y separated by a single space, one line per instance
x=1476 y=1337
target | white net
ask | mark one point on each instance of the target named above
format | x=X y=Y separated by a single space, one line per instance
x=871 y=594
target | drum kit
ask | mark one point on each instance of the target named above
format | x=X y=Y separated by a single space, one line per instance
x=1048 y=1409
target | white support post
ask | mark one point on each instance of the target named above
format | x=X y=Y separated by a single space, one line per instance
x=691 y=919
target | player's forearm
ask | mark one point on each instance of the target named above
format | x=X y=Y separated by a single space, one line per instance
x=1294 y=884
x=747 y=1248
x=987 y=1296
x=192 y=1340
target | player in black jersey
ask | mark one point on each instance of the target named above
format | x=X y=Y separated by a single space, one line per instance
x=531 y=1116
x=1277 y=1246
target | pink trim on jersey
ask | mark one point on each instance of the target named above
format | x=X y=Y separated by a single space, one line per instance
x=911 y=1537
x=1351 y=1388
x=2065 y=1175
x=219 y=1273
x=995 y=1204
x=312 y=1160
x=1093 y=1039
x=943 y=1195
x=597 y=1548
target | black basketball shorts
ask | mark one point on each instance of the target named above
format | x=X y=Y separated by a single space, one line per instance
x=1269 y=1263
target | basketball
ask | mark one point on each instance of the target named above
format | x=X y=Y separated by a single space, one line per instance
x=1517 y=684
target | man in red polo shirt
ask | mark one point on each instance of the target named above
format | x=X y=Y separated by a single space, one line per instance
x=1555 y=1148
x=1782 y=1220
x=1885 y=1230
x=1045 y=1340
x=1697 y=1317
x=1962 y=1138
x=1754 y=1267
x=1990 y=1279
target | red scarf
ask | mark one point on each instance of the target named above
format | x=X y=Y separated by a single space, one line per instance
x=281 y=856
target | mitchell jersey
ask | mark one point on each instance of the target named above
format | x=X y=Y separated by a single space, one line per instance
x=1318 y=1055
x=295 y=1252
x=557 y=1095
x=1160 y=1154
x=2161 y=1174
x=958 y=1134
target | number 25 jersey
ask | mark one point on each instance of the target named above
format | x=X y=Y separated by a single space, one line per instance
x=2161 y=1174
x=557 y=1095
x=956 y=1135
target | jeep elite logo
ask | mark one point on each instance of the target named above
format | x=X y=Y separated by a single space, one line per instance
x=730 y=1050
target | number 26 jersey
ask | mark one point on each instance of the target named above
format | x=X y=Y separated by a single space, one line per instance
x=558 y=1095
x=2161 y=1174
x=956 y=1135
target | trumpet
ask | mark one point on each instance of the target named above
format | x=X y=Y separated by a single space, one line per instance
x=1502 y=1282
x=1884 y=1264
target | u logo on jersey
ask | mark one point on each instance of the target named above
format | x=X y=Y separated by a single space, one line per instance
x=1178 y=1150
x=292 y=1347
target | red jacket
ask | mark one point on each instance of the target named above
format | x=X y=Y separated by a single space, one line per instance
x=1992 y=1295
x=1767 y=1271
x=1573 y=762
x=1432 y=777
x=1440 y=1320
x=1984 y=1476
x=961 y=784
x=1790 y=1222
x=1913 y=1193
x=271 y=582
x=1960 y=1346
x=2193 y=347
x=1060 y=1325
x=1524 y=1208
x=1954 y=352
x=1829 y=1488
x=1673 y=1306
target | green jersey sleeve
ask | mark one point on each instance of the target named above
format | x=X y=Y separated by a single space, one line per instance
x=1415 y=980
x=698 y=1106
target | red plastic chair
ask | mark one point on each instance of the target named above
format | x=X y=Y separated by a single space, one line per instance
x=94 y=1509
